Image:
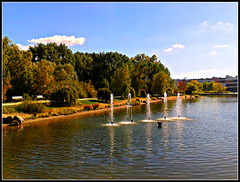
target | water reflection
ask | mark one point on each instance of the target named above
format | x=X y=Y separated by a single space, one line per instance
x=165 y=131
x=81 y=148
x=112 y=144
x=149 y=138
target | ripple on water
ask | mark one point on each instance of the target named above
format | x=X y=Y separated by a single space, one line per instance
x=82 y=149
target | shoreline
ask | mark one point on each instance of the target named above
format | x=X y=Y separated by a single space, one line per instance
x=82 y=113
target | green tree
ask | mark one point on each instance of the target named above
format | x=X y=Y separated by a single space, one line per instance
x=199 y=86
x=191 y=88
x=17 y=69
x=205 y=85
x=43 y=77
x=65 y=72
x=83 y=66
x=59 y=54
x=218 y=87
x=105 y=64
x=210 y=86
x=104 y=84
x=6 y=52
x=89 y=89
x=103 y=94
x=160 y=82
x=64 y=95
x=121 y=81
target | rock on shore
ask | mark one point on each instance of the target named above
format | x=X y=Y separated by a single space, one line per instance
x=16 y=120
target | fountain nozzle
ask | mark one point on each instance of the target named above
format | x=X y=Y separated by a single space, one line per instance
x=159 y=124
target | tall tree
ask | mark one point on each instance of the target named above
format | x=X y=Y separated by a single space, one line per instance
x=17 y=69
x=43 y=77
x=6 y=45
x=121 y=81
x=59 y=54
x=83 y=66
x=160 y=82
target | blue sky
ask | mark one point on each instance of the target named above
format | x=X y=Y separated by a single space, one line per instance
x=194 y=40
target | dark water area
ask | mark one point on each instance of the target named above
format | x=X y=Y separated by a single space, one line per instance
x=86 y=148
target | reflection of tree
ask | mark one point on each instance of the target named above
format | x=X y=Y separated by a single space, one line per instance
x=149 y=138
x=170 y=104
x=112 y=145
x=129 y=138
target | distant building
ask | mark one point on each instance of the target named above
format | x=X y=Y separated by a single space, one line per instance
x=230 y=82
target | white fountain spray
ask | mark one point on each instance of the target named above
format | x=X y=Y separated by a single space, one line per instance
x=165 y=104
x=179 y=102
x=111 y=116
x=129 y=99
x=178 y=107
x=129 y=104
x=165 y=95
x=148 y=107
x=148 y=110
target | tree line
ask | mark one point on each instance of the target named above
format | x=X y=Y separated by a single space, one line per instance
x=54 y=71
x=195 y=86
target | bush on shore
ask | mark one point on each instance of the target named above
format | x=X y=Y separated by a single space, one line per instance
x=64 y=96
x=104 y=94
x=31 y=107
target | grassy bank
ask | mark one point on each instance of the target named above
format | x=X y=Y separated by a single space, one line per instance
x=84 y=107
x=48 y=110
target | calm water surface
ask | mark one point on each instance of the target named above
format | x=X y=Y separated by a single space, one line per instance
x=84 y=148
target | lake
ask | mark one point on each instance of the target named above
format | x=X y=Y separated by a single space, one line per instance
x=84 y=147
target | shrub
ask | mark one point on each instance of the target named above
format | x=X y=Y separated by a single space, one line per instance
x=64 y=96
x=88 y=107
x=143 y=93
x=95 y=106
x=101 y=107
x=9 y=109
x=104 y=94
x=27 y=96
x=53 y=113
x=31 y=107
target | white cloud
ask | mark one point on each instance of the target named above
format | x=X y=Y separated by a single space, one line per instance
x=220 y=46
x=205 y=23
x=222 y=23
x=21 y=47
x=68 y=41
x=180 y=46
x=168 y=50
x=213 y=53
